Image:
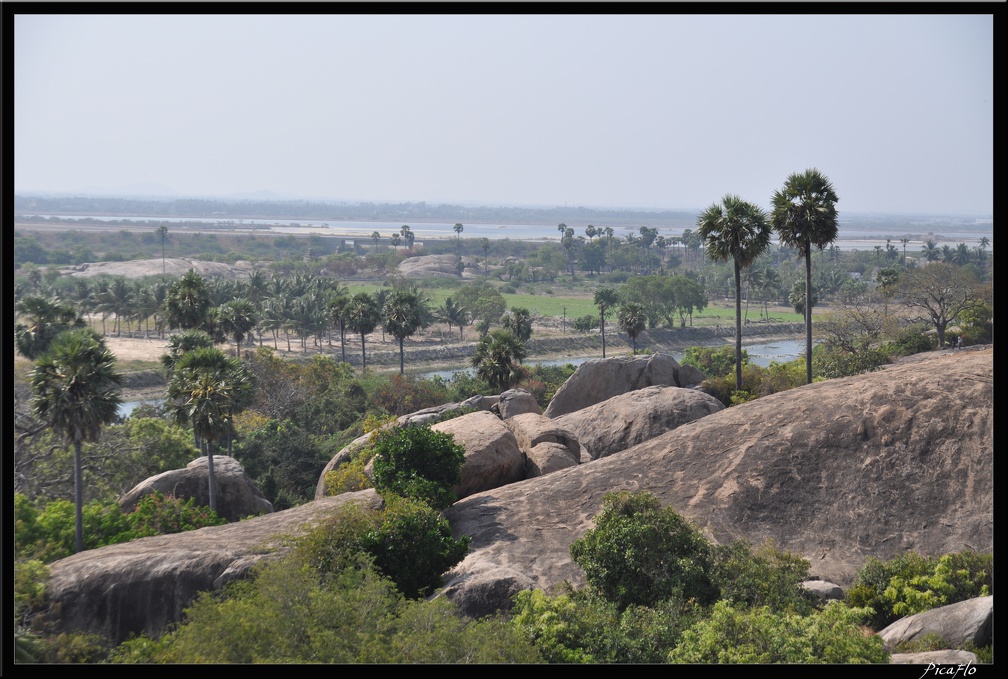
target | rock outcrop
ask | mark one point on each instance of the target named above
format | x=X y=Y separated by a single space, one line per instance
x=429 y=266
x=143 y=585
x=600 y=379
x=637 y=416
x=492 y=457
x=836 y=471
x=965 y=622
x=516 y=402
x=237 y=497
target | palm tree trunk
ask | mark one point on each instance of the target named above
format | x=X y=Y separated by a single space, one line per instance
x=210 y=475
x=363 y=354
x=602 y=321
x=738 y=327
x=400 y=356
x=78 y=499
x=808 y=314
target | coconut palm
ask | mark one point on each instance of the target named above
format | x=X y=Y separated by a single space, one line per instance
x=454 y=314
x=361 y=315
x=804 y=215
x=605 y=300
x=497 y=357
x=632 y=320
x=930 y=250
x=75 y=389
x=738 y=231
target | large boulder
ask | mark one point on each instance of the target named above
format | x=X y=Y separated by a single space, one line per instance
x=835 y=471
x=429 y=266
x=547 y=445
x=600 y=379
x=516 y=402
x=141 y=586
x=492 y=457
x=961 y=623
x=637 y=416
x=237 y=497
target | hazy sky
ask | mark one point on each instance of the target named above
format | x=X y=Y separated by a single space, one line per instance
x=659 y=111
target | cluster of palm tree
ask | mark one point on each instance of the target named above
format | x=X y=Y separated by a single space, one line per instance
x=803 y=215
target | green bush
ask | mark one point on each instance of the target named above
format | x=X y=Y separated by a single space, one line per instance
x=759 y=635
x=910 y=340
x=830 y=362
x=585 y=323
x=582 y=627
x=714 y=362
x=408 y=541
x=413 y=545
x=48 y=535
x=640 y=552
x=911 y=583
x=159 y=514
x=419 y=463
x=765 y=576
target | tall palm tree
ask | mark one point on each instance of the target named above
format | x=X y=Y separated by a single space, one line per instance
x=375 y=237
x=738 y=231
x=403 y=315
x=162 y=231
x=458 y=239
x=632 y=320
x=362 y=316
x=455 y=314
x=605 y=300
x=804 y=215
x=519 y=321
x=180 y=344
x=205 y=389
x=497 y=357
x=904 y=241
x=930 y=250
x=75 y=387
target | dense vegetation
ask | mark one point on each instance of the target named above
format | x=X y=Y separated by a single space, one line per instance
x=258 y=369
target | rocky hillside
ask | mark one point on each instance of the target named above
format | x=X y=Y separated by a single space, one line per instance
x=836 y=471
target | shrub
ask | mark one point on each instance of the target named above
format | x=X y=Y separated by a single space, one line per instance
x=910 y=340
x=582 y=627
x=765 y=576
x=714 y=362
x=759 y=635
x=404 y=394
x=160 y=514
x=413 y=546
x=419 y=463
x=911 y=583
x=831 y=362
x=585 y=323
x=347 y=478
x=640 y=552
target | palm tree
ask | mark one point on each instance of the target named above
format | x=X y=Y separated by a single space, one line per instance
x=454 y=314
x=497 y=357
x=375 y=237
x=180 y=344
x=632 y=320
x=404 y=314
x=930 y=250
x=336 y=309
x=485 y=244
x=904 y=241
x=519 y=321
x=205 y=387
x=43 y=319
x=238 y=317
x=395 y=240
x=804 y=215
x=739 y=231
x=458 y=239
x=188 y=302
x=605 y=299
x=162 y=231
x=362 y=317
x=75 y=387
